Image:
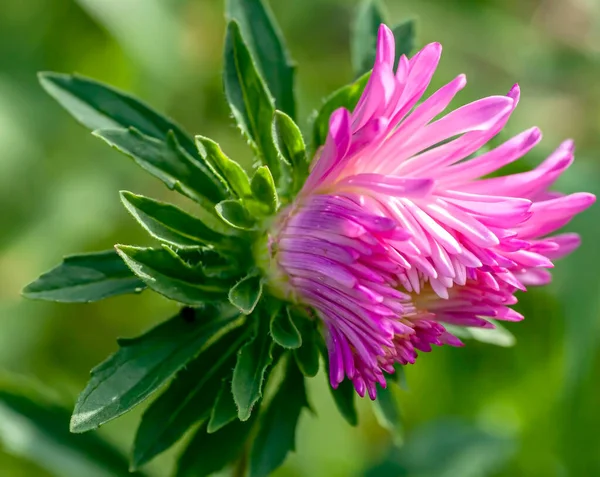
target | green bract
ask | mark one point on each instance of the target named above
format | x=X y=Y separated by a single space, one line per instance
x=232 y=364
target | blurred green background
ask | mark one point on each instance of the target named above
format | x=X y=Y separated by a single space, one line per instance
x=531 y=410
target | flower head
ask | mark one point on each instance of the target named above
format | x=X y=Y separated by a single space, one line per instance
x=396 y=232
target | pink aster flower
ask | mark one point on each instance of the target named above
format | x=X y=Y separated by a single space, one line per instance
x=397 y=232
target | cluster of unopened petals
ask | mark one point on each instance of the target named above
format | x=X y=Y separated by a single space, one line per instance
x=397 y=232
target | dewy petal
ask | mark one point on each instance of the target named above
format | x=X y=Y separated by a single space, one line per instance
x=397 y=231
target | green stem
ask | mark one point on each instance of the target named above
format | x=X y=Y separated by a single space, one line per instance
x=242 y=464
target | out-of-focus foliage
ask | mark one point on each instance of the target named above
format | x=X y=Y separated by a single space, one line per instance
x=527 y=410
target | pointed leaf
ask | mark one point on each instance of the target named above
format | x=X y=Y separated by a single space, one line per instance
x=388 y=414
x=168 y=275
x=188 y=400
x=345 y=97
x=284 y=330
x=253 y=360
x=498 y=335
x=307 y=356
x=233 y=213
x=250 y=102
x=165 y=159
x=277 y=432
x=364 y=36
x=171 y=225
x=99 y=106
x=405 y=36
x=85 y=278
x=35 y=427
x=263 y=189
x=233 y=174
x=266 y=43
x=344 y=400
x=224 y=410
x=143 y=364
x=290 y=145
x=209 y=453
x=246 y=293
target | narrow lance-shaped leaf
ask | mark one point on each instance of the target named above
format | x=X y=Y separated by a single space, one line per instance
x=345 y=97
x=165 y=159
x=171 y=225
x=224 y=410
x=34 y=426
x=364 y=35
x=233 y=174
x=85 y=278
x=277 y=432
x=388 y=413
x=266 y=43
x=209 y=453
x=249 y=99
x=498 y=335
x=404 y=34
x=290 y=145
x=143 y=364
x=307 y=356
x=263 y=189
x=99 y=106
x=165 y=273
x=249 y=374
x=188 y=400
x=343 y=395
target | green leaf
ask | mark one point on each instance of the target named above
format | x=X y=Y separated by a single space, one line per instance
x=165 y=159
x=307 y=356
x=290 y=145
x=224 y=410
x=249 y=99
x=171 y=225
x=233 y=174
x=209 y=453
x=85 y=278
x=249 y=374
x=364 y=36
x=277 y=432
x=188 y=400
x=263 y=189
x=405 y=36
x=165 y=273
x=233 y=213
x=35 y=427
x=344 y=400
x=246 y=293
x=144 y=364
x=268 y=48
x=498 y=335
x=284 y=330
x=388 y=414
x=99 y=106
x=345 y=97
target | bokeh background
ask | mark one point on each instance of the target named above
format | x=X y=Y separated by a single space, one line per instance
x=529 y=410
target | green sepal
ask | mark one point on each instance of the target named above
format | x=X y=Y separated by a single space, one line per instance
x=171 y=225
x=234 y=175
x=364 y=35
x=143 y=364
x=267 y=45
x=224 y=411
x=345 y=97
x=207 y=453
x=249 y=99
x=99 y=106
x=276 y=435
x=188 y=400
x=387 y=412
x=307 y=356
x=284 y=331
x=291 y=147
x=234 y=214
x=166 y=273
x=246 y=293
x=264 y=190
x=168 y=161
x=252 y=362
x=85 y=278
